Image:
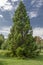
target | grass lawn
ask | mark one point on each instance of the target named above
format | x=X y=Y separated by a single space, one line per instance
x=15 y=61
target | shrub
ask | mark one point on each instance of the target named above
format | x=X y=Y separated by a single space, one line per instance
x=6 y=53
x=19 y=52
x=28 y=51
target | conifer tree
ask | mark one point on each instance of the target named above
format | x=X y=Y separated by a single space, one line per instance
x=20 y=37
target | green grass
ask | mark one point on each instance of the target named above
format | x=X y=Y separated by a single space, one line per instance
x=16 y=61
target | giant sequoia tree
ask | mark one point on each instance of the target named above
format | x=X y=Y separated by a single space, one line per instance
x=20 y=39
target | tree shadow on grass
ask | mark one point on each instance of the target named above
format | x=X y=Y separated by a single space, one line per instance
x=39 y=58
x=3 y=63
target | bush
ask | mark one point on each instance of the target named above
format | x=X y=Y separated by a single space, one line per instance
x=28 y=51
x=4 y=45
x=19 y=52
x=6 y=53
x=9 y=54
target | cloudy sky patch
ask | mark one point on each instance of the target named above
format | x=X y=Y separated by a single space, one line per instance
x=5 y=31
x=38 y=32
x=2 y=2
x=37 y=3
x=1 y=16
x=35 y=12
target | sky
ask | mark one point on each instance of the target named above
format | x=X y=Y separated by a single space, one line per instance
x=34 y=10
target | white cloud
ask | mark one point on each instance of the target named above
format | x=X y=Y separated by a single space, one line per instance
x=5 y=4
x=8 y=6
x=33 y=1
x=38 y=32
x=33 y=14
x=5 y=31
x=14 y=0
x=1 y=16
x=37 y=3
x=2 y=2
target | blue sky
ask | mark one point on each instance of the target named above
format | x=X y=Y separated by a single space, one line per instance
x=34 y=9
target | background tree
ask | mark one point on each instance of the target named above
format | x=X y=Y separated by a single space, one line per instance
x=38 y=41
x=1 y=40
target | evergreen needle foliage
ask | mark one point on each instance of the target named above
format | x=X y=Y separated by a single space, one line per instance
x=20 y=39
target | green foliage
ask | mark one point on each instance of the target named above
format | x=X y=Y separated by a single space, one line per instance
x=19 y=52
x=30 y=50
x=6 y=53
x=1 y=40
x=4 y=45
x=20 y=40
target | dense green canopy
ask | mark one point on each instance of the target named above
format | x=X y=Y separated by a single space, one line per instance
x=20 y=39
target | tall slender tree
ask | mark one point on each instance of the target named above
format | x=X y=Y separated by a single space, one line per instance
x=20 y=37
